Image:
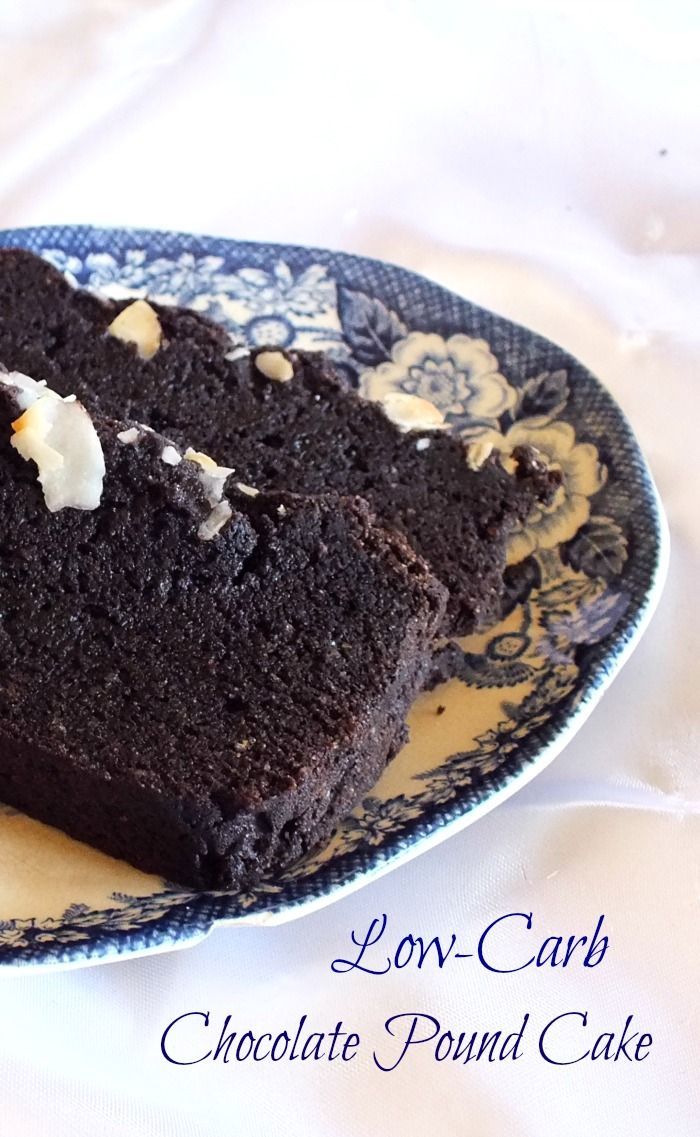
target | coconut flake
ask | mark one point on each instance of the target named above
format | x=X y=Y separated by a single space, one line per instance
x=274 y=365
x=410 y=412
x=212 y=477
x=238 y=351
x=60 y=437
x=138 y=324
x=130 y=436
x=214 y=523
x=201 y=459
x=113 y=290
x=249 y=490
x=477 y=453
x=26 y=389
x=171 y=456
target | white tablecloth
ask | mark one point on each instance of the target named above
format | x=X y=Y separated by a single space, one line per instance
x=541 y=159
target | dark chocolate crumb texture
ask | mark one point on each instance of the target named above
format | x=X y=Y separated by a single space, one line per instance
x=283 y=420
x=194 y=677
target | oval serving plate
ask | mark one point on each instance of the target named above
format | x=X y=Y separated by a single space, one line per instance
x=585 y=577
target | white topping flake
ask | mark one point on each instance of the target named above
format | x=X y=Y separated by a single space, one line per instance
x=478 y=452
x=212 y=477
x=171 y=456
x=129 y=436
x=281 y=511
x=113 y=290
x=26 y=389
x=201 y=459
x=249 y=490
x=422 y=444
x=238 y=351
x=274 y=365
x=58 y=434
x=410 y=412
x=214 y=523
x=138 y=324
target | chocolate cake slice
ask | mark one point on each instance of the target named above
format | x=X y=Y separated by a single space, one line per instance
x=198 y=680
x=284 y=420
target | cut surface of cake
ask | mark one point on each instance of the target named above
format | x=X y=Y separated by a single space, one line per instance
x=195 y=677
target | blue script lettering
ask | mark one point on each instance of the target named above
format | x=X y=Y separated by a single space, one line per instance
x=416 y=1029
x=164 y=1040
x=605 y=1045
x=553 y=951
x=236 y=1046
x=410 y=949
x=431 y=1028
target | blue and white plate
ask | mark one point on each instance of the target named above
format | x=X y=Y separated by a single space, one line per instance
x=590 y=569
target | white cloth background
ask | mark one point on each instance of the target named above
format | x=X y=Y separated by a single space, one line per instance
x=543 y=160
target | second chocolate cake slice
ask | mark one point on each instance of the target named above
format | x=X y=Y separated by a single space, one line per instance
x=284 y=420
x=197 y=679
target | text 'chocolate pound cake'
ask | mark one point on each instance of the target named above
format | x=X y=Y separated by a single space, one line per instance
x=285 y=421
x=200 y=684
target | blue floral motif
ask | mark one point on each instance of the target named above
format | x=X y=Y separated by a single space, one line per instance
x=258 y=306
x=588 y=623
x=274 y=306
x=370 y=329
x=178 y=281
x=376 y=818
x=264 y=293
x=70 y=265
x=599 y=549
x=544 y=396
x=459 y=375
